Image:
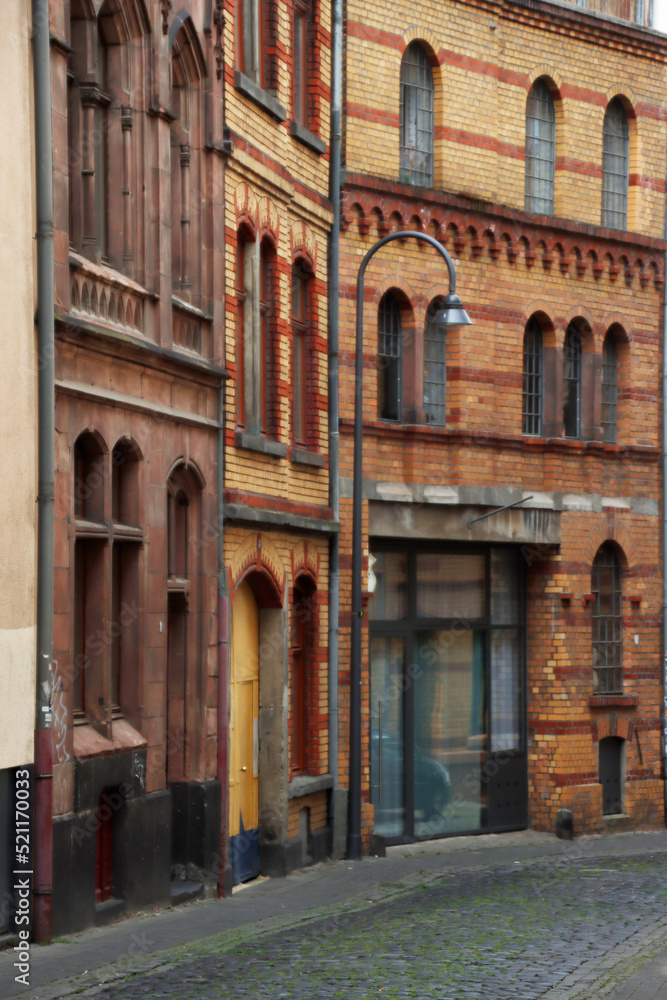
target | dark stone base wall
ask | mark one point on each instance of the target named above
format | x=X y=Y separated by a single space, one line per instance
x=141 y=826
x=196 y=815
x=278 y=860
x=151 y=834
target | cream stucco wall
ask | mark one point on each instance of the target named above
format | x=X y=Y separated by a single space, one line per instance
x=17 y=389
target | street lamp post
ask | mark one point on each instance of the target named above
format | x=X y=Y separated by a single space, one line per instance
x=451 y=314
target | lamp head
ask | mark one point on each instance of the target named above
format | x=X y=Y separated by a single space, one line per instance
x=452 y=313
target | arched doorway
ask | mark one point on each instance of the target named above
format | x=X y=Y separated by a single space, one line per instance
x=244 y=736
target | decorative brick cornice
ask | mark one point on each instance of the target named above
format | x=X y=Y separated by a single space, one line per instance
x=373 y=203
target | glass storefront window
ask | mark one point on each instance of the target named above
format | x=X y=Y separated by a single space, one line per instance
x=506 y=690
x=447 y=691
x=450 y=587
x=387 y=758
x=505 y=587
x=449 y=731
x=389 y=602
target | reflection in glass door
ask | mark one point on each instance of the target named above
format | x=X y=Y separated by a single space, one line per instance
x=387 y=763
x=449 y=710
x=447 y=713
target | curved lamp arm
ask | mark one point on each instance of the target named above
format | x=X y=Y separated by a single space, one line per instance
x=425 y=238
x=453 y=304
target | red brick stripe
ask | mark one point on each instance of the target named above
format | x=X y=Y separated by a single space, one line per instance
x=368 y=114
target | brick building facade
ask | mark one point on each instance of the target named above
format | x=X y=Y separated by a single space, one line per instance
x=278 y=519
x=190 y=668
x=512 y=661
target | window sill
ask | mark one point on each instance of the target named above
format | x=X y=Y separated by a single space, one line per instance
x=255 y=442
x=612 y=701
x=307 y=137
x=260 y=97
x=301 y=456
x=306 y=784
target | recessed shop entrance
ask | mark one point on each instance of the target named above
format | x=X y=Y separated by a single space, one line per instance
x=447 y=691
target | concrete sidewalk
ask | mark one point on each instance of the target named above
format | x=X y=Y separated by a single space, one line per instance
x=145 y=941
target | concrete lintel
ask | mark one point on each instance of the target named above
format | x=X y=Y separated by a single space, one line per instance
x=243 y=512
x=644 y=505
x=582 y=502
x=451 y=523
x=620 y=503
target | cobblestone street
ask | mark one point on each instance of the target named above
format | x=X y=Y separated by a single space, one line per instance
x=562 y=927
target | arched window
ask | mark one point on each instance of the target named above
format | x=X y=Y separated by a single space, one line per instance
x=183 y=606
x=107 y=551
x=251 y=27
x=187 y=70
x=607 y=621
x=303 y=611
x=416 y=117
x=532 y=379
x=540 y=149
x=265 y=323
x=615 y=166
x=302 y=31
x=572 y=382
x=105 y=67
x=435 y=368
x=389 y=359
x=300 y=321
x=609 y=388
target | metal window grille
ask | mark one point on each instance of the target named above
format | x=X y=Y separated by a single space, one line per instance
x=389 y=359
x=540 y=149
x=615 y=166
x=416 y=118
x=435 y=368
x=572 y=383
x=532 y=379
x=607 y=622
x=609 y=389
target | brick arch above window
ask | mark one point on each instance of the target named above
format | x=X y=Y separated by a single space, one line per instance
x=304 y=245
x=258 y=560
x=268 y=221
x=613 y=530
x=245 y=207
x=305 y=559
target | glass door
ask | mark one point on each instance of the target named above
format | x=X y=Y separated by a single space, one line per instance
x=447 y=748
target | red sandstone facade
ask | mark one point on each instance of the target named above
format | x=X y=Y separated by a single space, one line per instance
x=512 y=664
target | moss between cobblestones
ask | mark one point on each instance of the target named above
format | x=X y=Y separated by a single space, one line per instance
x=477 y=934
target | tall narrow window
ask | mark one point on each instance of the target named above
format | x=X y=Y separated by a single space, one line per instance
x=182 y=615
x=301 y=631
x=435 y=368
x=250 y=39
x=572 y=383
x=241 y=298
x=301 y=28
x=389 y=359
x=609 y=389
x=532 y=378
x=607 y=621
x=187 y=70
x=540 y=149
x=265 y=336
x=416 y=124
x=105 y=66
x=615 y=166
x=299 y=373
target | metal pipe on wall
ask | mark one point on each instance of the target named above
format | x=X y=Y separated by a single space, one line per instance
x=334 y=486
x=43 y=812
x=663 y=713
x=223 y=657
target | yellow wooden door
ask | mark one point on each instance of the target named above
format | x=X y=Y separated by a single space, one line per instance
x=244 y=723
